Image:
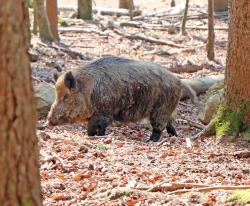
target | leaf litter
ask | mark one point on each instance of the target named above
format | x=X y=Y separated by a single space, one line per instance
x=122 y=168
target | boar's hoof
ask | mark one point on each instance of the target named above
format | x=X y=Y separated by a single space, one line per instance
x=171 y=130
x=92 y=133
x=101 y=132
x=155 y=136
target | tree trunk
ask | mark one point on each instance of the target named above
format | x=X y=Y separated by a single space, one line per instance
x=211 y=36
x=220 y=5
x=233 y=116
x=19 y=166
x=126 y=4
x=184 y=19
x=85 y=9
x=51 y=7
x=172 y=4
x=43 y=22
x=34 y=30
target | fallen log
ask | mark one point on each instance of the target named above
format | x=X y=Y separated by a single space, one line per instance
x=201 y=85
x=116 y=11
x=102 y=11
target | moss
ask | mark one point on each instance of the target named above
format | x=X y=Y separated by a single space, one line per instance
x=246 y=134
x=226 y=121
x=30 y=3
x=27 y=202
x=109 y=192
x=243 y=196
x=62 y=22
x=102 y=146
x=230 y=122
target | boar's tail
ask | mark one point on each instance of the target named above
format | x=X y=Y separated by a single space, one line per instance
x=191 y=93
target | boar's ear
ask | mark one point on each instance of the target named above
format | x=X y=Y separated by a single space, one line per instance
x=70 y=81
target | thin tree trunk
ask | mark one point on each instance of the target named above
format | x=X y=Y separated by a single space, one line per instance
x=172 y=4
x=34 y=30
x=19 y=176
x=184 y=19
x=126 y=4
x=51 y=7
x=211 y=35
x=43 y=22
x=85 y=9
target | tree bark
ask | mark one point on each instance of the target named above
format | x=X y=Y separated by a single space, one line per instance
x=19 y=166
x=238 y=57
x=211 y=35
x=51 y=7
x=233 y=115
x=184 y=19
x=126 y=4
x=42 y=21
x=85 y=9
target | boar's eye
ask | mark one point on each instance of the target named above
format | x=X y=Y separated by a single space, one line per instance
x=65 y=97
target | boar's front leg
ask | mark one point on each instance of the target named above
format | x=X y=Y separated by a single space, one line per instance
x=97 y=125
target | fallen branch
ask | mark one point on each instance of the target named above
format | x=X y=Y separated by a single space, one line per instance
x=71 y=53
x=174 y=186
x=192 y=123
x=81 y=30
x=122 y=32
x=209 y=130
x=209 y=189
x=168 y=52
x=206 y=28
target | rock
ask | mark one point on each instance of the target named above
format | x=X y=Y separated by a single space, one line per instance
x=215 y=94
x=45 y=96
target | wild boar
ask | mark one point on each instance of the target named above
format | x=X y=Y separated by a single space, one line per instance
x=114 y=88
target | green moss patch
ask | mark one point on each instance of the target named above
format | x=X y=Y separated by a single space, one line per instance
x=62 y=22
x=243 y=196
x=230 y=122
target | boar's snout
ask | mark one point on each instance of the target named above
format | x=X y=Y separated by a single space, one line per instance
x=53 y=121
x=56 y=116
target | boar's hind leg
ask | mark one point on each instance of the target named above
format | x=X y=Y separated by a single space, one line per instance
x=171 y=130
x=158 y=123
x=97 y=125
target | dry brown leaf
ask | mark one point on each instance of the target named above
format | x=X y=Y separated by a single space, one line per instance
x=60 y=196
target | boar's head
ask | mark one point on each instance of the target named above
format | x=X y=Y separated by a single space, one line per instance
x=70 y=105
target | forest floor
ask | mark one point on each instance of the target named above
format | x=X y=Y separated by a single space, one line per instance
x=122 y=168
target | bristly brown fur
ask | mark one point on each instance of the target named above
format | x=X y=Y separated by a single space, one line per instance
x=115 y=88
